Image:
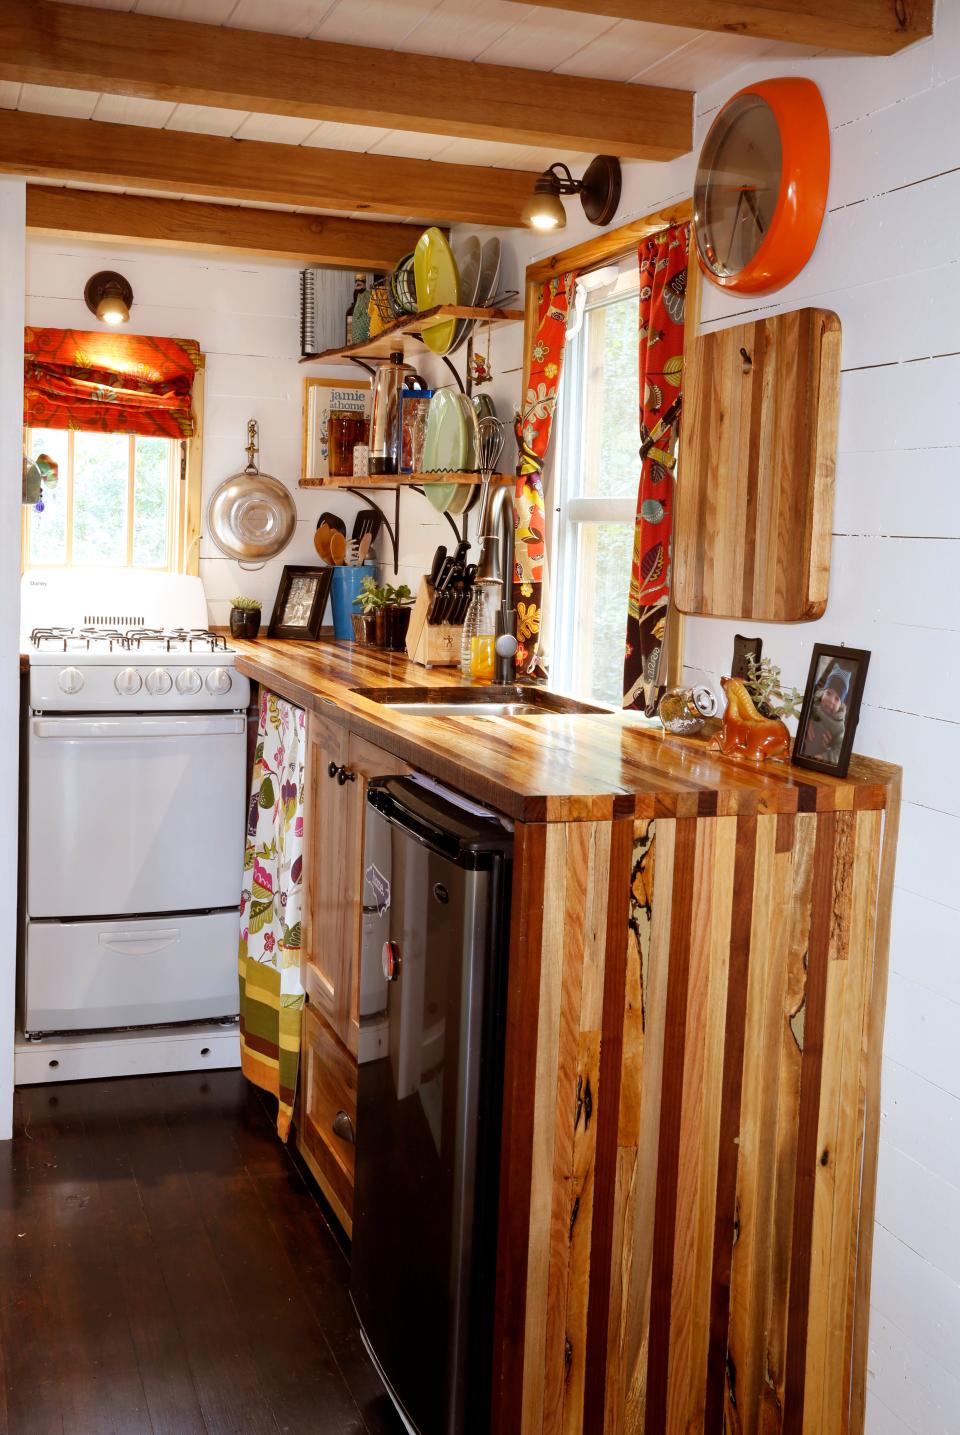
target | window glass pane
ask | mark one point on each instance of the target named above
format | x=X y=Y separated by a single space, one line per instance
x=48 y=530
x=612 y=401
x=603 y=586
x=100 y=471
x=151 y=502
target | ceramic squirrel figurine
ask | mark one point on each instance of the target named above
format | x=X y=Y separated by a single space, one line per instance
x=746 y=735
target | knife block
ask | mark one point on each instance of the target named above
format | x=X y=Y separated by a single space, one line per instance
x=432 y=647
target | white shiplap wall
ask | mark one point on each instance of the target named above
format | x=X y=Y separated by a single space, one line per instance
x=245 y=316
x=888 y=262
x=12 y=209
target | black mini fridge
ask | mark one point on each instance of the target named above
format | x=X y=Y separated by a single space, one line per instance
x=429 y=1099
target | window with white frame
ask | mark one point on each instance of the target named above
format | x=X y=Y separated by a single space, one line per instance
x=596 y=471
x=118 y=502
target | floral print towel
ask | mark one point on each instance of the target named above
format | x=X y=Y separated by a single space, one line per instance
x=271 y=994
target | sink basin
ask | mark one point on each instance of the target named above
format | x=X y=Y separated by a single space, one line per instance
x=515 y=700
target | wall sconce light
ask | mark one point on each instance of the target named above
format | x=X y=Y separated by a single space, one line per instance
x=599 y=192
x=109 y=296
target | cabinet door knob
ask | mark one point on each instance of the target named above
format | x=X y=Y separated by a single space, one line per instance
x=343 y=1127
x=345 y=775
x=332 y=769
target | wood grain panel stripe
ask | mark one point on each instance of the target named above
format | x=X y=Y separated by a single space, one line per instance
x=725 y=1217
x=607 y=1126
x=798 y=1309
x=523 y=1003
x=671 y=1111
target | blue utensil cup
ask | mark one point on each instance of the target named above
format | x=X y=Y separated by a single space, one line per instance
x=344 y=587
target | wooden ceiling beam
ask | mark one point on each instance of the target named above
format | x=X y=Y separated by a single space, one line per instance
x=861 y=27
x=135 y=157
x=223 y=228
x=82 y=47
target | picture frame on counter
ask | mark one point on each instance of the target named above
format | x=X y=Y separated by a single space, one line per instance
x=831 y=708
x=301 y=602
x=321 y=398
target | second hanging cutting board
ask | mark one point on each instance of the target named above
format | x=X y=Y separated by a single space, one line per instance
x=754 y=498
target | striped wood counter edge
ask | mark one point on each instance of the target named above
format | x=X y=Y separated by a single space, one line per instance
x=691 y=1110
x=550 y=767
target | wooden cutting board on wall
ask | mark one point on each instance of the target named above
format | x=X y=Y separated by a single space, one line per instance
x=754 y=499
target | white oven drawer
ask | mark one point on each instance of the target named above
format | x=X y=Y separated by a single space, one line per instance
x=81 y=976
x=135 y=814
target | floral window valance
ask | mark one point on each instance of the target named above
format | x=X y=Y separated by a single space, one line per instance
x=109 y=383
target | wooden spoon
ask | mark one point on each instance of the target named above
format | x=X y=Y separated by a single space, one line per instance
x=363 y=548
x=338 y=548
x=321 y=541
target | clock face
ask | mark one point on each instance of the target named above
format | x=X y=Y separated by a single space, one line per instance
x=761 y=187
x=737 y=185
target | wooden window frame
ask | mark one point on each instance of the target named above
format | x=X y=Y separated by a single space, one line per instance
x=609 y=247
x=184 y=514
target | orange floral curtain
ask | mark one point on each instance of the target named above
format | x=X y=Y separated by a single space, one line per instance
x=533 y=436
x=663 y=287
x=109 y=383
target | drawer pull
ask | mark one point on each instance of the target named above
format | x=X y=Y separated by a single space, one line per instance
x=343 y=1127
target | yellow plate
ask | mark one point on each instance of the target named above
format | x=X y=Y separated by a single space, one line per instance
x=438 y=282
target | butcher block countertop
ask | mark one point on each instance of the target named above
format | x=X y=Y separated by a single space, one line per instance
x=548 y=767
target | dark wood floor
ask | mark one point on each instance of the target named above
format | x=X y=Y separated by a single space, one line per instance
x=165 y=1270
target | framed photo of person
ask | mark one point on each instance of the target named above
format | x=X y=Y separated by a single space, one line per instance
x=301 y=600
x=831 y=709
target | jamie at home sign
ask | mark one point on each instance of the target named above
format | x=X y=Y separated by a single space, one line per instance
x=321 y=398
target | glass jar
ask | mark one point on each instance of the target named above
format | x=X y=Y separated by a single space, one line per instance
x=345 y=429
x=683 y=711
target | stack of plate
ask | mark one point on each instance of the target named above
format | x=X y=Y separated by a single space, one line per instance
x=468 y=278
x=450 y=446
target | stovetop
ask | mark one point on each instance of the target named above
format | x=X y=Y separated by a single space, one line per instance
x=156 y=642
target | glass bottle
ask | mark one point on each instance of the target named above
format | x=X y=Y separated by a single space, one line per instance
x=477 y=657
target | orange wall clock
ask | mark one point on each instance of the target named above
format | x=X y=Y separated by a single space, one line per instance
x=761 y=186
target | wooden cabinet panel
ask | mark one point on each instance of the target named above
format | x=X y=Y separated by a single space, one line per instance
x=338 y=769
x=328 y=1112
x=327 y=949
x=754 y=496
x=687 y=1171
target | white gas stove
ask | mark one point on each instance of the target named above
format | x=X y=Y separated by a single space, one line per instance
x=127 y=642
x=136 y=807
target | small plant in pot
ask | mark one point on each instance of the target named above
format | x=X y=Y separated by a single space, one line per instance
x=245 y=617
x=370 y=600
x=396 y=612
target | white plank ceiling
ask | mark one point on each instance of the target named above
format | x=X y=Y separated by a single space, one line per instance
x=491 y=31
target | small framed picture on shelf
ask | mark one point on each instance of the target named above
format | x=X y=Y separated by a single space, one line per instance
x=831 y=709
x=301 y=600
x=336 y=417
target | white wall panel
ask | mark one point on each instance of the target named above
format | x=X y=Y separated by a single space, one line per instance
x=12 y=209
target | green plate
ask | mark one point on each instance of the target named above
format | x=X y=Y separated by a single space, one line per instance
x=438 y=282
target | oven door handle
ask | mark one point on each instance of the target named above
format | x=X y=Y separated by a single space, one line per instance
x=141 y=726
x=139 y=944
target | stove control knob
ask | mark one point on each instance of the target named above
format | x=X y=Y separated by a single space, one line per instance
x=189 y=681
x=159 y=681
x=70 y=680
x=219 y=680
x=128 y=681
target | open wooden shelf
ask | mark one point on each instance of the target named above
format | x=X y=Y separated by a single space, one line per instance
x=409 y=327
x=403 y=480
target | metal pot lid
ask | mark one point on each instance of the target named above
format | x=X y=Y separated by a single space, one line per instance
x=251 y=515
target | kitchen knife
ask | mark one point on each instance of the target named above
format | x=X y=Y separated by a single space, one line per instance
x=435 y=567
x=439 y=595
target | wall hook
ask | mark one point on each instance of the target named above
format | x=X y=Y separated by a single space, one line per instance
x=747 y=361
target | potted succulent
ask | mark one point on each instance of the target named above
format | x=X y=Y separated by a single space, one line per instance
x=370 y=600
x=245 y=617
x=396 y=617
